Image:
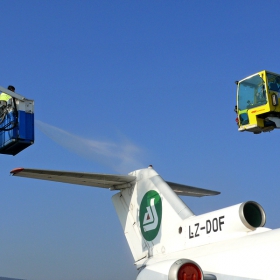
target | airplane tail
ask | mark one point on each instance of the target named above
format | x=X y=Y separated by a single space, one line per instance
x=150 y=211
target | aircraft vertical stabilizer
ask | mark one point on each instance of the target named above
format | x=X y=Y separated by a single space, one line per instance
x=151 y=215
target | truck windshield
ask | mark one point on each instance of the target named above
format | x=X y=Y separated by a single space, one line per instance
x=251 y=93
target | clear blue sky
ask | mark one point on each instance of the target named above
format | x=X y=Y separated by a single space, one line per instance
x=151 y=81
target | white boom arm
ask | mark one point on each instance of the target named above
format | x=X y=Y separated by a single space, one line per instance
x=13 y=94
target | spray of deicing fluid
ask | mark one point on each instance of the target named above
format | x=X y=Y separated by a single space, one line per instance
x=122 y=156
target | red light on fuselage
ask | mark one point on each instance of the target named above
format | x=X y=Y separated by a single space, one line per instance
x=189 y=271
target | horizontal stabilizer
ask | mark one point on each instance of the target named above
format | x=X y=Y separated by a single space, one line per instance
x=180 y=189
x=114 y=182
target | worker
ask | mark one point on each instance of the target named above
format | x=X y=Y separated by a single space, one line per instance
x=4 y=96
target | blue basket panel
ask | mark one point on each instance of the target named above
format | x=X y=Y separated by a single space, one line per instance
x=8 y=134
x=16 y=134
x=26 y=126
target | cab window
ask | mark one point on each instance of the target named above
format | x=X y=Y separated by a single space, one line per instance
x=251 y=93
x=273 y=82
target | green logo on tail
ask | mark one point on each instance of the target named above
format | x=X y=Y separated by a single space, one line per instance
x=150 y=215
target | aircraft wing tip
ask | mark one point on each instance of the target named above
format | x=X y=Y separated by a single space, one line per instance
x=16 y=170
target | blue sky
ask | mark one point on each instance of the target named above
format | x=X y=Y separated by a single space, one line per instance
x=152 y=81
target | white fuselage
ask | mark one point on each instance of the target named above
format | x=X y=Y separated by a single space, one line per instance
x=254 y=256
